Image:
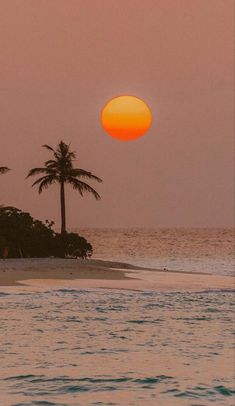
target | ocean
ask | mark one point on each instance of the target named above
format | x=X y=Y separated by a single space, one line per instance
x=73 y=347
x=201 y=250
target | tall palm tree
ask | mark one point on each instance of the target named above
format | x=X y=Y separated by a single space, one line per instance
x=3 y=169
x=61 y=170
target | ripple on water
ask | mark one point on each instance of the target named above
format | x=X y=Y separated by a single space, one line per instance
x=40 y=403
x=70 y=345
x=64 y=384
x=204 y=392
x=4 y=294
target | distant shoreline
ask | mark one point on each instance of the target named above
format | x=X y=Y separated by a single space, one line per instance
x=52 y=272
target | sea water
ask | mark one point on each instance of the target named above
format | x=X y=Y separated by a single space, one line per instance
x=109 y=347
x=201 y=250
x=90 y=347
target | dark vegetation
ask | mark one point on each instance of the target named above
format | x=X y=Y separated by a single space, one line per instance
x=21 y=236
x=3 y=169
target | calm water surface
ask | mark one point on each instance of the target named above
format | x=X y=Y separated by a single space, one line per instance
x=203 y=250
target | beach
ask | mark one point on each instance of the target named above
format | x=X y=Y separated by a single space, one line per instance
x=77 y=273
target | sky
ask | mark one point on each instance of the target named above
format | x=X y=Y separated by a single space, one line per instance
x=61 y=61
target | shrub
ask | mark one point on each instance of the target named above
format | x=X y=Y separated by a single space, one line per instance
x=72 y=245
x=22 y=236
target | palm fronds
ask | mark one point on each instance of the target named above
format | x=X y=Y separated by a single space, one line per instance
x=3 y=170
x=60 y=169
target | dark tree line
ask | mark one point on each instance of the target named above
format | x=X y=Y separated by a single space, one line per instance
x=23 y=236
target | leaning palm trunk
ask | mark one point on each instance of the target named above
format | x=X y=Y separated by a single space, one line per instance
x=61 y=170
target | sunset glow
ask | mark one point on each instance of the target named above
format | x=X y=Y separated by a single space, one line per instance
x=126 y=118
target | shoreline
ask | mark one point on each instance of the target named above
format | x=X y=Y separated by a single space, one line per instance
x=55 y=272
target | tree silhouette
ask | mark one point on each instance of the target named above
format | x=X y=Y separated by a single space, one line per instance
x=61 y=170
x=3 y=170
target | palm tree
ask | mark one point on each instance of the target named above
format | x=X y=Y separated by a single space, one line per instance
x=3 y=170
x=61 y=170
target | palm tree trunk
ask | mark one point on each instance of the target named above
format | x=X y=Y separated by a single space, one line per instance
x=62 y=205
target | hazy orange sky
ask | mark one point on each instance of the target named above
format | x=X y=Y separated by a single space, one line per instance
x=61 y=61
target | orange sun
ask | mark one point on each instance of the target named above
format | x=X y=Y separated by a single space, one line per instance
x=126 y=118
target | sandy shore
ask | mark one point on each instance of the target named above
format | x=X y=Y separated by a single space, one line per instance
x=104 y=274
x=14 y=271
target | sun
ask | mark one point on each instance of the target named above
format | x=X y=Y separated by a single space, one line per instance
x=126 y=118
